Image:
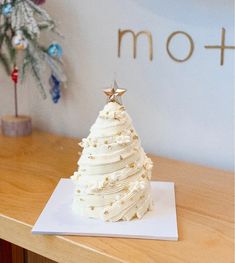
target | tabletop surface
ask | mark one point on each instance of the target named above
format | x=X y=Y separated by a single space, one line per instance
x=30 y=168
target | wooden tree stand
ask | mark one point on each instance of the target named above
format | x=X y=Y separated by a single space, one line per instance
x=16 y=126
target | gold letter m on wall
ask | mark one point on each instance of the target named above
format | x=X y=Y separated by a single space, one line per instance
x=135 y=36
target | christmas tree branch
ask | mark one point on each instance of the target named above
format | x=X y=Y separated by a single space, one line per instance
x=35 y=62
x=20 y=29
x=11 y=50
x=6 y=63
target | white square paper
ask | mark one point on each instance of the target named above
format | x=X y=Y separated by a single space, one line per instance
x=58 y=218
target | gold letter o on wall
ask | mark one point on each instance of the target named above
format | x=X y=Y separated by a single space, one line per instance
x=190 y=50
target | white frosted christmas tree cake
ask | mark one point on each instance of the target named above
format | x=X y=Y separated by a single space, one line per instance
x=113 y=178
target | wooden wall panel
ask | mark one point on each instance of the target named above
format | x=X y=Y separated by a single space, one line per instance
x=35 y=258
x=10 y=253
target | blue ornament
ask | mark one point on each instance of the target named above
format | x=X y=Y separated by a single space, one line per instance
x=7 y=9
x=55 y=50
x=55 y=88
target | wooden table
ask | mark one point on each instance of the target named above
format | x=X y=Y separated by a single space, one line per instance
x=30 y=168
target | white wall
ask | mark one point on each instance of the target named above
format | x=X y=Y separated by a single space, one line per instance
x=181 y=110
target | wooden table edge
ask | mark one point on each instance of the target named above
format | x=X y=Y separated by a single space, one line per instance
x=52 y=247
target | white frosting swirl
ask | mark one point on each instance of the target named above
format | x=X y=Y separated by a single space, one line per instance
x=112 y=181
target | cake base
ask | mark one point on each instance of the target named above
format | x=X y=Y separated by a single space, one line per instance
x=16 y=126
x=58 y=218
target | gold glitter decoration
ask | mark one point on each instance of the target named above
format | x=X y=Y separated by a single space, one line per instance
x=116 y=117
x=114 y=93
x=106 y=212
x=121 y=158
x=135 y=137
x=132 y=165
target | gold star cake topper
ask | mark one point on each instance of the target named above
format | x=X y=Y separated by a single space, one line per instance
x=114 y=93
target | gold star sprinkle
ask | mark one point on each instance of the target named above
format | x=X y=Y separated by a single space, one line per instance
x=135 y=137
x=114 y=93
x=116 y=117
x=132 y=165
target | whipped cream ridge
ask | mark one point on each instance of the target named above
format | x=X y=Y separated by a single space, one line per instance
x=112 y=181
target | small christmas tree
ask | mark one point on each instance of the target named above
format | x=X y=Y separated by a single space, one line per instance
x=112 y=182
x=21 y=24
